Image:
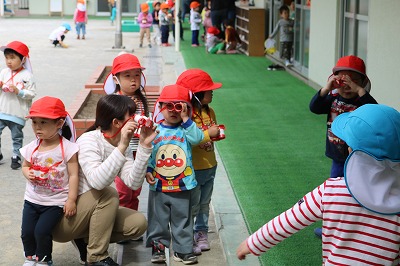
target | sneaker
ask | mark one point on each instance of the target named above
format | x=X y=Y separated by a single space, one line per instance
x=15 y=162
x=83 y=37
x=158 y=252
x=29 y=261
x=149 y=45
x=166 y=44
x=185 y=258
x=288 y=63
x=77 y=37
x=49 y=263
x=271 y=67
x=196 y=249
x=201 y=239
x=106 y=262
x=81 y=246
x=318 y=232
x=1 y=159
x=140 y=45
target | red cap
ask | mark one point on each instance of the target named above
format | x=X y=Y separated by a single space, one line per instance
x=194 y=4
x=171 y=93
x=213 y=30
x=350 y=62
x=48 y=107
x=197 y=80
x=164 y=6
x=17 y=46
x=144 y=7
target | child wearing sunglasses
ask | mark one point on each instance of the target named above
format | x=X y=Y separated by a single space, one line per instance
x=127 y=78
x=171 y=176
x=204 y=159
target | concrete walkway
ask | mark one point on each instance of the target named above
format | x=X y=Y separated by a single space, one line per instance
x=62 y=73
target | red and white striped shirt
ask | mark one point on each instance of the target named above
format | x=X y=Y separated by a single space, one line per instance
x=351 y=234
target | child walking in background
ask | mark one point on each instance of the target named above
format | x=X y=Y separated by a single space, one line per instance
x=57 y=36
x=127 y=78
x=17 y=91
x=145 y=20
x=347 y=89
x=156 y=23
x=214 y=45
x=204 y=160
x=360 y=211
x=206 y=17
x=195 y=22
x=80 y=19
x=51 y=169
x=286 y=34
x=165 y=19
x=171 y=176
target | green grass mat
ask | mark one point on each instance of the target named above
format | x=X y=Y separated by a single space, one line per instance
x=274 y=146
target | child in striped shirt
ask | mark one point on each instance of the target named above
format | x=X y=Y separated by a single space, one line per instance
x=360 y=211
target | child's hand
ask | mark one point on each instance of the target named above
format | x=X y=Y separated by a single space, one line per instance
x=242 y=250
x=184 y=112
x=69 y=208
x=354 y=87
x=147 y=135
x=329 y=85
x=150 y=179
x=213 y=131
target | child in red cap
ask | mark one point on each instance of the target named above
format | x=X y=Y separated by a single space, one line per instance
x=17 y=91
x=165 y=19
x=195 y=21
x=214 y=45
x=347 y=89
x=80 y=19
x=127 y=78
x=145 y=19
x=204 y=160
x=171 y=176
x=51 y=168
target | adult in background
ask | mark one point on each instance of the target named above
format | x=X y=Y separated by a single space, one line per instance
x=219 y=12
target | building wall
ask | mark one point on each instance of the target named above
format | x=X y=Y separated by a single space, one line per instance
x=42 y=7
x=384 y=51
x=383 y=46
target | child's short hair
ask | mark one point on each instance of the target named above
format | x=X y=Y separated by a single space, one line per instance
x=283 y=8
x=9 y=51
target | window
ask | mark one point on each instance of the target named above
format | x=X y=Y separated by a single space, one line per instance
x=355 y=28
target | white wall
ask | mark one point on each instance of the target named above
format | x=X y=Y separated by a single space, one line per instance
x=384 y=51
x=323 y=41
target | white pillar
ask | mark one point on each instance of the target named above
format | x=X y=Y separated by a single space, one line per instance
x=118 y=31
x=177 y=28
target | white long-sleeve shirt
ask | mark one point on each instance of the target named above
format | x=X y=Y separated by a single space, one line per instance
x=100 y=162
x=351 y=234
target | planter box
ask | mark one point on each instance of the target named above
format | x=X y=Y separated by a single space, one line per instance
x=83 y=108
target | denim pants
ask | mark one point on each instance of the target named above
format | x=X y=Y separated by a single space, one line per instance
x=201 y=197
x=81 y=26
x=38 y=222
x=195 y=37
x=17 y=135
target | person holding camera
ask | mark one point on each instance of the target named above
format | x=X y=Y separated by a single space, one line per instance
x=171 y=176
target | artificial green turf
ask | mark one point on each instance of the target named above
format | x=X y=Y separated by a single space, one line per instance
x=274 y=146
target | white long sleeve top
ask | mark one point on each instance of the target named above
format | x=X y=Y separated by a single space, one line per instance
x=100 y=162
x=351 y=234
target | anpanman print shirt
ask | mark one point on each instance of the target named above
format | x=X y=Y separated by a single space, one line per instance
x=171 y=161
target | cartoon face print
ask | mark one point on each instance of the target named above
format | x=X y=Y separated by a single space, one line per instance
x=170 y=160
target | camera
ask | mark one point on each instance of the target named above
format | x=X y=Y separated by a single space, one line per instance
x=221 y=135
x=143 y=121
x=338 y=83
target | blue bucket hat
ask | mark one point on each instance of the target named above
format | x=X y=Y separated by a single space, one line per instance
x=372 y=170
x=67 y=26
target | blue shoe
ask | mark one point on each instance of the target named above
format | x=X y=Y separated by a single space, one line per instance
x=318 y=232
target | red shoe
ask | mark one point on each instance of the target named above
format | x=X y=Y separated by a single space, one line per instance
x=166 y=44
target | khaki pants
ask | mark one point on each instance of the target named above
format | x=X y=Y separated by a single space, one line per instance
x=100 y=220
x=144 y=31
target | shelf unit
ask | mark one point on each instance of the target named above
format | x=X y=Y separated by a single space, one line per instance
x=250 y=25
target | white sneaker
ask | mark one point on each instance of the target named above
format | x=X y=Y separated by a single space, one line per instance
x=29 y=262
x=288 y=63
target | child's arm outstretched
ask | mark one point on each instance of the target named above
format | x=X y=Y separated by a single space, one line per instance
x=70 y=204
